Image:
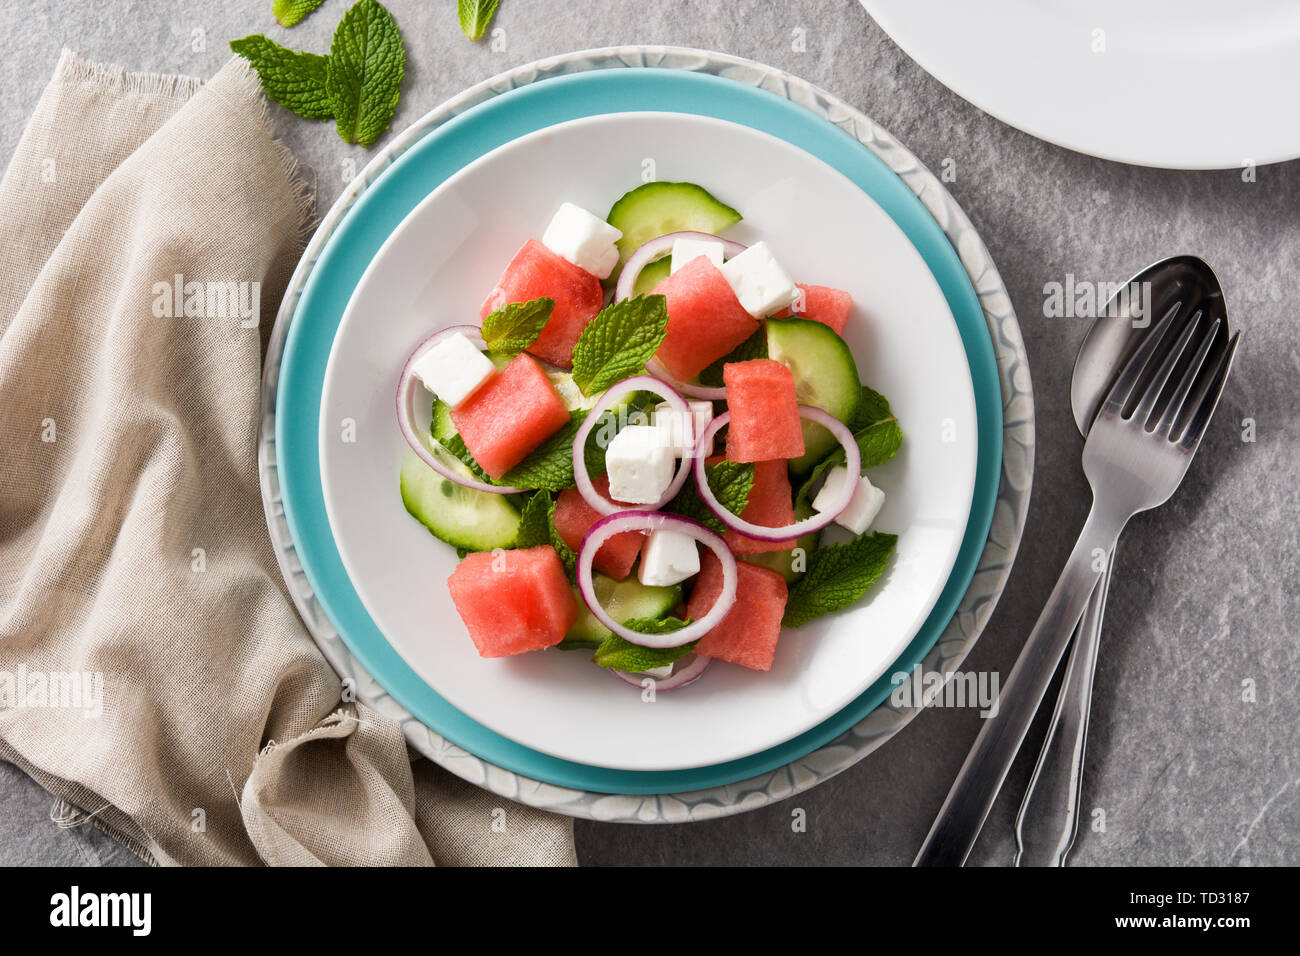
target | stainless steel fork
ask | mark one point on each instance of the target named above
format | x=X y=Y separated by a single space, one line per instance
x=1137 y=452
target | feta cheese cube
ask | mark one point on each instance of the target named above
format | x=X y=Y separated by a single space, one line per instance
x=680 y=432
x=584 y=239
x=863 y=507
x=684 y=250
x=640 y=465
x=758 y=280
x=454 y=369
x=668 y=557
x=659 y=673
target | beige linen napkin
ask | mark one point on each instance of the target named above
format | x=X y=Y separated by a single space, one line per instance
x=153 y=674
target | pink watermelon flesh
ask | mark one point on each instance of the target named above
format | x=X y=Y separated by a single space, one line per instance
x=748 y=634
x=536 y=271
x=510 y=416
x=705 y=319
x=771 y=504
x=513 y=601
x=765 y=420
x=573 y=516
x=823 y=304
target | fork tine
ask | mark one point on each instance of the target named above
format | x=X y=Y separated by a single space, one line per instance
x=1128 y=379
x=1146 y=407
x=1195 y=430
x=1174 y=409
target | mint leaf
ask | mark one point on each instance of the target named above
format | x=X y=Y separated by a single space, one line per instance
x=616 y=653
x=549 y=466
x=567 y=556
x=619 y=341
x=838 y=575
x=475 y=16
x=288 y=13
x=731 y=483
x=516 y=325
x=535 y=521
x=297 y=81
x=754 y=347
x=366 y=65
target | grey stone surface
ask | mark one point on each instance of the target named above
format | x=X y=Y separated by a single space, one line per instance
x=1205 y=593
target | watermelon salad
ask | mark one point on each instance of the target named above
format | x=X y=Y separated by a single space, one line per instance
x=652 y=447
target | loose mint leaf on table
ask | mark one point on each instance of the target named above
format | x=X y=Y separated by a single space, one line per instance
x=288 y=13
x=619 y=341
x=754 y=347
x=476 y=16
x=838 y=575
x=616 y=653
x=515 y=326
x=549 y=466
x=366 y=63
x=297 y=81
x=535 y=521
x=731 y=483
x=567 y=556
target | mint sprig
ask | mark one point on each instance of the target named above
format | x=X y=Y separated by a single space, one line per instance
x=357 y=84
x=838 y=575
x=476 y=16
x=289 y=13
x=616 y=653
x=619 y=341
x=295 y=80
x=515 y=326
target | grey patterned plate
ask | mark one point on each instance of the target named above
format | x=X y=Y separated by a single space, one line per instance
x=995 y=561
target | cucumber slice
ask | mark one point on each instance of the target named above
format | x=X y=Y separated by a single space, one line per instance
x=782 y=562
x=460 y=516
x=653 y=274
x=656 y=209
x=825 y=375
x=624 y=600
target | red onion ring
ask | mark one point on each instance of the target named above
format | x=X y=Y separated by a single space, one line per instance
x=637 y=383
x=852 y=461
x=646 y=521
x=406 y=411
x=678 y=678
x=656 y=247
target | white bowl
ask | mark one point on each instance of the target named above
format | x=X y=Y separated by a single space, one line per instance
x=435 y=270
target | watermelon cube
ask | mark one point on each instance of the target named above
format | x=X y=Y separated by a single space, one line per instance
x=513 y=601
x=511 y=415
x=822 y=304
x=573 y=516
x=537 y=272
x=705 y=319
x=771 y=504
x=748 y=634
x=765 y=421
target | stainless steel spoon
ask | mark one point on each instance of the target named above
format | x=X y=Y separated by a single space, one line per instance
x=1048 y=821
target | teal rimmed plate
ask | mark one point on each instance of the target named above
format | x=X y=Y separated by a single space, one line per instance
x=436 y=149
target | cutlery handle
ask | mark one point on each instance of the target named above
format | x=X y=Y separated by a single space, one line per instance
x=968 y=803
x=1049 y=814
